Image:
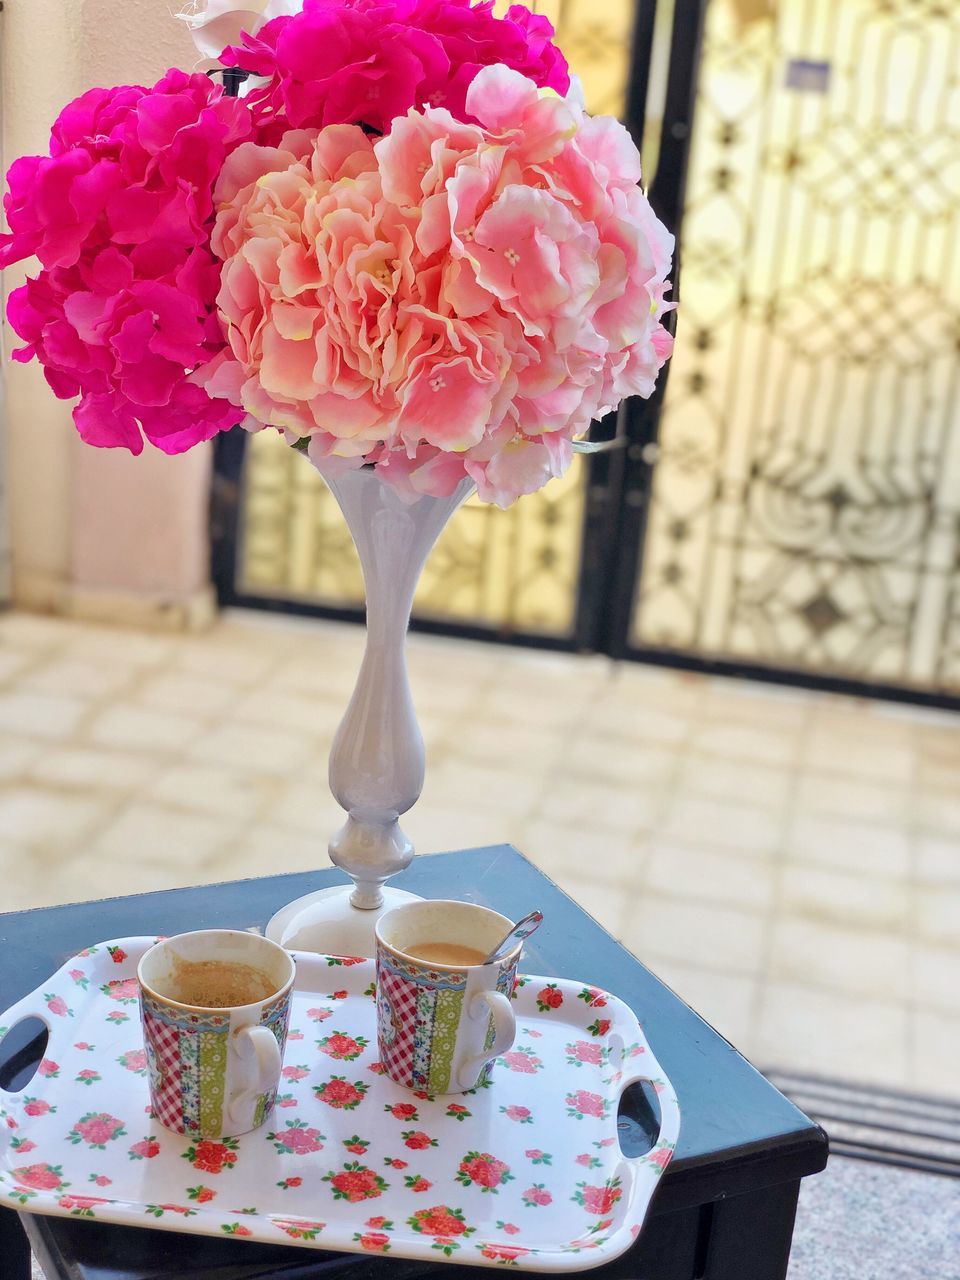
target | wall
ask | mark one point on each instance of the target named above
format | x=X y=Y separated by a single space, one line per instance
x=94 y=532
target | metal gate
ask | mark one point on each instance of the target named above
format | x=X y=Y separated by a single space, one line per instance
x=788 y=504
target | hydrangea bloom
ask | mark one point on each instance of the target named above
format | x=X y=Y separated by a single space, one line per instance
x=453 y=300
x=120 y=215
x=369 y=61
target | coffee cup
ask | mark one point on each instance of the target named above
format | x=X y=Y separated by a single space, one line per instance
x=215 y=1008
x=443 y=1015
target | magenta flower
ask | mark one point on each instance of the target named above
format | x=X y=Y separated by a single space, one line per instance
x=120 y=215
x=369 y=61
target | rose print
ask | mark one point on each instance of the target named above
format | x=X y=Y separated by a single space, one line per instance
x=356 y=1144
x=509 y=1227
x=660 y=1156
x=340 y=1094
x=394 y=1162
x=295 y=1073
x=456 y=1111
x=88 y=1076
x=148 y=1149
x=522 y=1059
x=235 y=1229
x=41 y=1177
x=355 y=1183
x=22 y=1146
x=289 y=1184
x=583 y=1051
x=81 y=1206
x=346 y=961
x=50 y=1070
x=600 y=1027
x=373 y=1241
x=134 y=1060
x=158 y=1210
x=594 y=997
x=342 y=1047
x=117 y=954
x=483 y=1170
x=285 y=1100
x=522 y=1115
x=549 y=998
x=423 y=1095
x=38 y=1107
x=100 y=1179
x=299 y=1228
x=536 y=1195
x=503 y=1252
x=417 y=1140
x=123 y=990
x=377 y=1068
x=583 y=1103
x=294 y=1035
x=202 y=1194
x=402 y=1110
x=338 y=995
x=117 y=1016
x=598 y=1200
x=84 y=1047
x=588 y=1161
x=319 y=1015
x=414 y=1182
x=445 y=1225
x=297 y=1139
x=213 y=1157
x=97 y=1129
x=538 y=1156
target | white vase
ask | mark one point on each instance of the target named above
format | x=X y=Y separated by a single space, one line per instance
x=377 y=760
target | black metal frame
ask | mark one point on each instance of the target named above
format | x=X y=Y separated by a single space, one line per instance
x=619 y=482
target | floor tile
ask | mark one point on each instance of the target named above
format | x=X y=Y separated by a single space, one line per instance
x=848 y=844
x=845 y=899
x=170 y=691
x=723 y=938
x=750 y=743
x=938 y=860
x=826 y=1032
x=726 y=1001
x=855 y=962
x=89 y=769
x=562 y=849
x=213 y=790
x=37 y=815
x=272 y=751
x=142 y=729
x=148 y=833
x=936 y=1052
x=938 y=916
x=766 y=786
x=935 y=973
x=824 y=793
x=709 y=875
x=587 y=802
x=714 y=823
x=65 y=675
x=42 y=716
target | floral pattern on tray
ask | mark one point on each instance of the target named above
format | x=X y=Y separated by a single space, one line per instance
x=525 y=1171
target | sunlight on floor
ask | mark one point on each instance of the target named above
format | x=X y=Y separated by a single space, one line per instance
x=789 y=863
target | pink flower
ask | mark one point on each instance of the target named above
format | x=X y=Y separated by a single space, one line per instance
x=370 y=61
x=454 y=302
x=120 y=214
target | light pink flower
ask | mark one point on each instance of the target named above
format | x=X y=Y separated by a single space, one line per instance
x=456 y=300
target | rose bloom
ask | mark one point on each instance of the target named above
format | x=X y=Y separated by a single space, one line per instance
x=369 y=61
x=119 y=214
x=455 y=301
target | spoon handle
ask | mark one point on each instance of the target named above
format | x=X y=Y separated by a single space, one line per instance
x=522 y=929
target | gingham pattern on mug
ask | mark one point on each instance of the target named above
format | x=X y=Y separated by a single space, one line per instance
x=397 y=1019
x=163 y=1056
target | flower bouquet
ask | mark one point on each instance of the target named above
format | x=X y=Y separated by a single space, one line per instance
x=406 y=247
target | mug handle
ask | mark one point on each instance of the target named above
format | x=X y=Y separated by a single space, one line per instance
x=260 y=1056
x=500 y=1007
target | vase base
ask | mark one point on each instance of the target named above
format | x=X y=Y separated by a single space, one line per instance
x=327 y=922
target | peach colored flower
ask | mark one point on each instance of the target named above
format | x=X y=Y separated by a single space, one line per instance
x=455 y=300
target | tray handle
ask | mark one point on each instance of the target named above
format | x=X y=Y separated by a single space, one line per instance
x=31 y=1006
x=644 y=1068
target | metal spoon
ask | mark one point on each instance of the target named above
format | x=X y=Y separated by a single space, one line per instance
x=522 y=929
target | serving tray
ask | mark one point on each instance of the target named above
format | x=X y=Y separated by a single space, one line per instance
x=524 y=1172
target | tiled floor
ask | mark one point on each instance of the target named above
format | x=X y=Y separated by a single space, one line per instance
x=788 y=862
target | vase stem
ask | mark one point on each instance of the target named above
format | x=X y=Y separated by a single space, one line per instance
x=377 y=759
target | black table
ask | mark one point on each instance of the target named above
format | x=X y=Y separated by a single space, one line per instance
x=724 y=1211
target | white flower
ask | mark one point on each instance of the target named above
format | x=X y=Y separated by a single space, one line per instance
x=215 y=24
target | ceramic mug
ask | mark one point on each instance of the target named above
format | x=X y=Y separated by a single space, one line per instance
x=214 y=1072
x=440 y=1026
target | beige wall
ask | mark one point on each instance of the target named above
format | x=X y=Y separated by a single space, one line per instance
x=94 y=532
